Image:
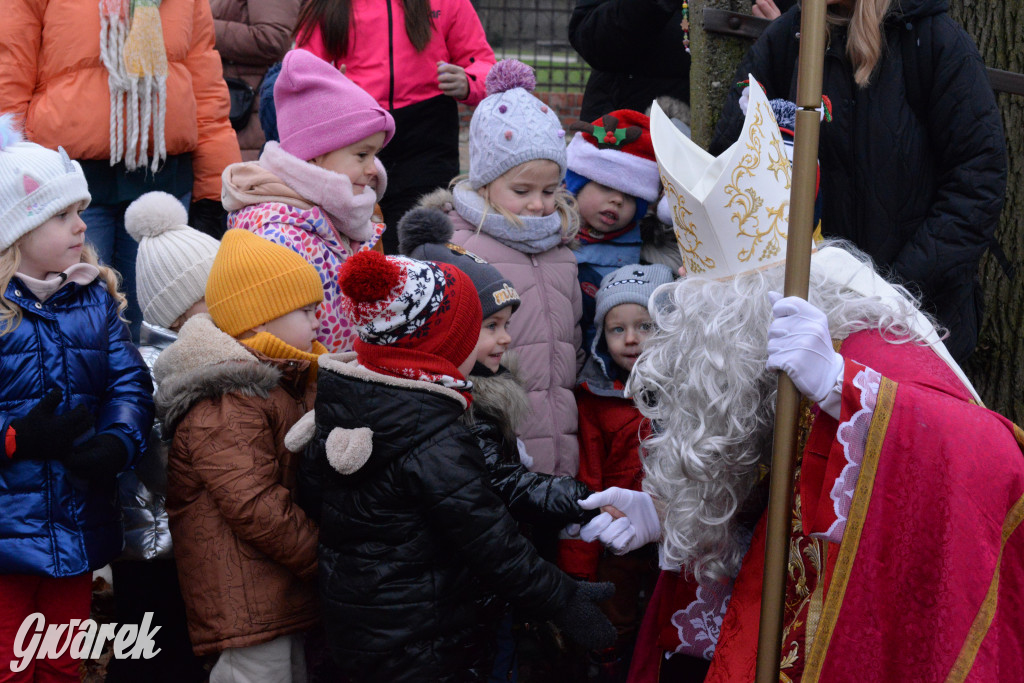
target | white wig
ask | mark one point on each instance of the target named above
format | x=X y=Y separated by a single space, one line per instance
x=702 y=382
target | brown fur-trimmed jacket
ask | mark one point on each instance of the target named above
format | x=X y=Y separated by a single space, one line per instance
x=246 y=552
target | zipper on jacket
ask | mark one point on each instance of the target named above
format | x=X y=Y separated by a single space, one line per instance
x=391 y=58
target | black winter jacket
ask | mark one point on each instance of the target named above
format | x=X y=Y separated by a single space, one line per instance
x=417 y=555
x=913 y=167
x=636 y=49
x=535 y=498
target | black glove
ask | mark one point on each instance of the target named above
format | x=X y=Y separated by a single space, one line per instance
x=583 y=621
x=41 y=435
x=99 y=459
x=207 y=215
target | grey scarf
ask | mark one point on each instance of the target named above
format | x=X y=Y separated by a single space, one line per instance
x=536 y=235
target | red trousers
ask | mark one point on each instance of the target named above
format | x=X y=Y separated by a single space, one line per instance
x=59 y=601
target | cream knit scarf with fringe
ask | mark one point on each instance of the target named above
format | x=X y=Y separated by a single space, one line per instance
x=132 y=49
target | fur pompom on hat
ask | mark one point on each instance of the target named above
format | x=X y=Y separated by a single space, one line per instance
x=415 y=319
x=36 y=183
x=426 y=234
x=616 y=151
x=173 y=260
x=511 y=126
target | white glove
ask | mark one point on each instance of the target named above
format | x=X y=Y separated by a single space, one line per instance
x=799 y=344
x=744 y=99
x=639 y=527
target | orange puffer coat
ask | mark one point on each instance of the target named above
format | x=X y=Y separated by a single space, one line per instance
x=52 y=76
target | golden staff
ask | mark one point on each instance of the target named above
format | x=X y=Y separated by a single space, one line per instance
x=798 y=269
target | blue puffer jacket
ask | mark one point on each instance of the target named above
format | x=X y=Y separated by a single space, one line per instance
x=52 y=523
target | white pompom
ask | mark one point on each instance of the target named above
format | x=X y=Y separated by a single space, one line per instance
x=154 y=213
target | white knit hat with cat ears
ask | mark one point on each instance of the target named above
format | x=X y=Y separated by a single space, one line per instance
x=36 y=183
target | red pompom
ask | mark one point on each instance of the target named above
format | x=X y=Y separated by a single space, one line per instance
x=369 y=276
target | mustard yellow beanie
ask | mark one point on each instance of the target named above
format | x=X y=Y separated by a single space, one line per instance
x=254 y=281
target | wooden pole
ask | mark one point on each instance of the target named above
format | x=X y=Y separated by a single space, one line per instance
x=787 y=407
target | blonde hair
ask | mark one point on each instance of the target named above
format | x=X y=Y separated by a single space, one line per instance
x=565 y=207
x=865 y=40
x=10 y=260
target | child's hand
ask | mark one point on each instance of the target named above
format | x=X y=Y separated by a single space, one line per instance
x=452 y=80
x=342 y=69
x=613 y=511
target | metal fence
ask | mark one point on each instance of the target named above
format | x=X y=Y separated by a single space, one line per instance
x=536 y=32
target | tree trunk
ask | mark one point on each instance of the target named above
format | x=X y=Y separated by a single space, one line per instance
x=997 y=366
x=713 y=63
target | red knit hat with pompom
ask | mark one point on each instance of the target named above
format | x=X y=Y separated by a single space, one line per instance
x=414 y=318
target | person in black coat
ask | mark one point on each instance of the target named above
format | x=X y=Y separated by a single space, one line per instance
x=636 y=50
x=418 y=556
x=913 y=162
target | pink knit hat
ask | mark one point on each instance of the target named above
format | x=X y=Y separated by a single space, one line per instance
x=319 y=110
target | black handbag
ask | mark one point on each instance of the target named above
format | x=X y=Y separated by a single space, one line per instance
x=242 y=99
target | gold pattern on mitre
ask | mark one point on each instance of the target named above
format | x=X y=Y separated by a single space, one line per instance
x=730 y=214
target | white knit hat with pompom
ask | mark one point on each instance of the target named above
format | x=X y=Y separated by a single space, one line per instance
x=174 y=260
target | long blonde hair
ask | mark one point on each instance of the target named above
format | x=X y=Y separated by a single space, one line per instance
x=565 y=207
x=866 y=40
x=10 y=260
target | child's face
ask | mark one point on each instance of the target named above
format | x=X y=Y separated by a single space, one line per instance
x=605 y=209
x=54 y=246
x=526 y=190
x=355 y=161
x=297 y=328
x=626 y=327
x=494 y=339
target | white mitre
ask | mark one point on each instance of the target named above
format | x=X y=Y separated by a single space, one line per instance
x=731 y=213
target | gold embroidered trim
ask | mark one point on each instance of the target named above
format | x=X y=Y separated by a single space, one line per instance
x=854 y=526
x=987 y=611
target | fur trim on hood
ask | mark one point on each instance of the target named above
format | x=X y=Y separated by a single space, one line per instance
x=500 y=398
x=205 y=363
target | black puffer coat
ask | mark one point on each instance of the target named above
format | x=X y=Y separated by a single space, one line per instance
x=536 y=498
x=636 y=49
x=913 y=167
x=417 y=554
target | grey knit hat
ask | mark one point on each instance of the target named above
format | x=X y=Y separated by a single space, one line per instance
x=511 y=126
x=628 y=285
x=174 y=260
x=425 y=234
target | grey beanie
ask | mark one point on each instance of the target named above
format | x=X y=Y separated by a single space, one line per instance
x=628 y=285
x=425 y=234
x=511 y=126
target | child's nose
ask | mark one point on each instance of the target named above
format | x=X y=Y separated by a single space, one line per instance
x=79 y=224
x=504 y=338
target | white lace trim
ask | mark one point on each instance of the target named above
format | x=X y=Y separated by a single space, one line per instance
x=700 y=623
x=853 y=435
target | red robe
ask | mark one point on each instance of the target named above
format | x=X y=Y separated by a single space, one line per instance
x=928 y=581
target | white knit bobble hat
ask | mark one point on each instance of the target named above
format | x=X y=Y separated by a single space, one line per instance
x=511 y=126
x=173 y=261
x=36 y=183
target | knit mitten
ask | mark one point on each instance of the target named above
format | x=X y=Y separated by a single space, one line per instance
x=42 y=435
x=583 y=621
x=99 y=459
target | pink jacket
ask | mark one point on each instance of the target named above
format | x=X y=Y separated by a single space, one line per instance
x=545 y=335
x=390 y=69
